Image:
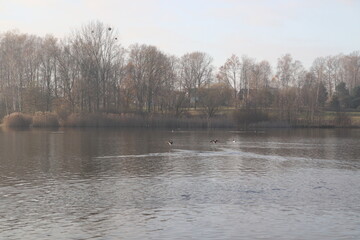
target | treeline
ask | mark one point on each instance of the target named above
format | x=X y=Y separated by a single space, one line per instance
x=89 y=71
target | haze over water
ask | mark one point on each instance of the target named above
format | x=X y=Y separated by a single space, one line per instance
x=130 y=184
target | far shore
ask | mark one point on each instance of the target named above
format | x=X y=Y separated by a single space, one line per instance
x=224 y=121
x=269 y=125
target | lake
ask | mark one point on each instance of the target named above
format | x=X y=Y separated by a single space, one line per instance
x=131 y=184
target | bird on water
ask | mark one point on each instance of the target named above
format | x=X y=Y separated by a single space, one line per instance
x=214 y=141
x=170 y=142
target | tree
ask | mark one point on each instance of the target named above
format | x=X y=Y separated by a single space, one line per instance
x=291 y=74
x=342 y=90
x=319 y=72
x=265 y=73
x=97 y=51
x=355 y=97
x=284 y=70
x=48 y=68
x=330 y=74
x=230 y=74
x=322 y=94
x=289 y=71
x=150 y=70
x=343 y=95
x=352 y=67
x=334 y=103
x=19 y=67
x=259 y=75
x=258 y=92
x=196 y=72
x=212 y=98
x=246 y=75
x=69 y=76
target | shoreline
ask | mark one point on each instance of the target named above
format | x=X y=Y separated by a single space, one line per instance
x=2 y=126
x=101 y=120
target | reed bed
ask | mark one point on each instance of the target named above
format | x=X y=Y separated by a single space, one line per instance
x=132 y=120
x=17 y=120
x=45 y=120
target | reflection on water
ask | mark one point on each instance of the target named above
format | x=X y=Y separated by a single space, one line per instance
x=130 y=184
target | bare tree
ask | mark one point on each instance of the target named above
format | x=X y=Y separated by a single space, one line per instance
x=14 y=50
x=259 y=83
x=319 y=71
x=290 y=74
x=265 y=73
x=196 y=72
x=96 y=50
x=150 y=70
x=69 y=73
x=212 y=98
x=247 y=66
x=352 y=67
x=288 y=71
x=330 y=74
x=169 y=96
x=230 y=74
x=48 y=66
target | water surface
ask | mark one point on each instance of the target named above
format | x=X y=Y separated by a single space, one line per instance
x=130 y=184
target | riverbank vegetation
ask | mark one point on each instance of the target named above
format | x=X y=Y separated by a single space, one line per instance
x=89 y=79
x=229 y=118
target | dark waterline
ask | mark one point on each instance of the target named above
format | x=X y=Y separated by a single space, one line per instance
x=131 y=184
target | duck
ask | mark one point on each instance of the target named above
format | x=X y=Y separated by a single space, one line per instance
x=170 y=142
x=214 y=141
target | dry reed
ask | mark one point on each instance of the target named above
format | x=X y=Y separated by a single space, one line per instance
x=17 y=120
x=144 y=121
x=45 y=119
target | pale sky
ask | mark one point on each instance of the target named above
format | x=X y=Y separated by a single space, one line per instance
x=261 y=29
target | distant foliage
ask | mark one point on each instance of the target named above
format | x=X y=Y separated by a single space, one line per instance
x=17 y=120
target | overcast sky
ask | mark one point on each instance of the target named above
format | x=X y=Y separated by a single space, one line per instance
x=262 y=29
